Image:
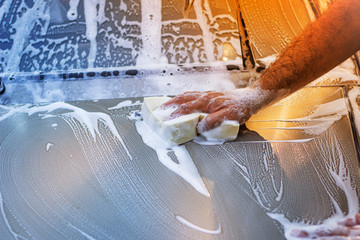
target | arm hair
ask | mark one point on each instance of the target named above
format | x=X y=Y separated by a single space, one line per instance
x=324 y=44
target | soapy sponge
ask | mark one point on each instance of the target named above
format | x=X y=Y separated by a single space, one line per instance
x=228 y=130
x=183 y=128
x=178 y=130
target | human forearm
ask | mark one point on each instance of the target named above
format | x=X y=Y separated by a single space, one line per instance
x=324 y=44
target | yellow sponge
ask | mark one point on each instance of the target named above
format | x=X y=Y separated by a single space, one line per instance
x=183 y=128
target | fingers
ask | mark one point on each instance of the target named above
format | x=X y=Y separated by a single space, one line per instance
x=215 y=119
x=219 y=105
x=182 y=98
x=200 y=104
x=189 y=107
x=212 y=120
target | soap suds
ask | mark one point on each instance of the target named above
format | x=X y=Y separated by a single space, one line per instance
x=316 y=122
x=189 y=224
x=185 y=168
x=6 y=220
x=217 y=134
x=48 y=146
x=126 y=103
x=324 y=116
x=24 y=26
x=341 y=176
x=72 y=13
x=134 y=115
x=82 y=232
x=150 y=33
x=203 y=141
x=88 y=120
x=95 y=15
x=164 y=113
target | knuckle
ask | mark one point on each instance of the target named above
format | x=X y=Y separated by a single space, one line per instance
x=184 y=108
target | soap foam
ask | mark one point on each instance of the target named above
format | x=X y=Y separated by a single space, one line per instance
x=185 y=168
x=164 y=113
x=72 y=13
x=321 y=119
x=203 y=141
x=95 y=15
x=189 y=224
x=126 y=103
x=341 y=176
x=88 y=120
x=48 y=146
x=8 y=224
x=213 y=134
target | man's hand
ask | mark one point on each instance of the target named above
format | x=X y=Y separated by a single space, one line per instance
x=237 y=105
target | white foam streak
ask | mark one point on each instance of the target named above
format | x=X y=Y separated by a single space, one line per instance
x=186 y=168
x=202 y=141
x=151 y=32
x=126 y=103
x=48 y=146
x=341 y=175
x=16 y=236
x=5 y=8
x=186 y=222
x=88 y=120
x=93 y=18
x=72 y=13
x=202 y=21
x=23 y=26
x=244 y=172
x=81 y=232
x=323 y=117
x=343 y=180
x=279 y=192
x=336 y=107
